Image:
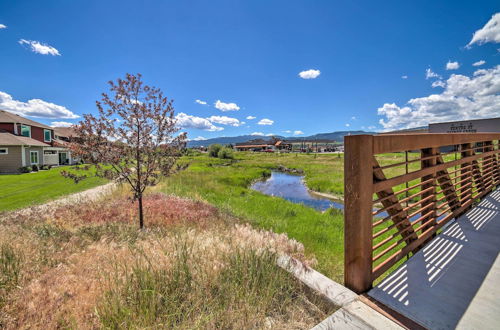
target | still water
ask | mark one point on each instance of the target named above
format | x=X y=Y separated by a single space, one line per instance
x=292 y=188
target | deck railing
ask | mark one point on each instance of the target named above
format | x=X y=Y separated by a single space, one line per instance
x=396 y=202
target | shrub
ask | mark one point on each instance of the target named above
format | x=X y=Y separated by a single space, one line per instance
x=35 y=168
x=25 y=169
x=45 y=167
x=213 y=150
x=225 y=153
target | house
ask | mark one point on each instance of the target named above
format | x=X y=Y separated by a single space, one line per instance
x=256 y=145
x=24 y=142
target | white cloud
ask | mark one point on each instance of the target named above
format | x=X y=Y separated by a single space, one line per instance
x=188 y=121
x=298 y=132
x=60 y=124
x=478 y=63
x=35 y=108
x=438 y=83
x=404 y=77
x=226 y=106
x=430 y=74
x=488 y=33
x=40 y=48
x=463 y=98
x=309 y=74
x=270 y=134
x=371 y=127
x=353 y=118
x=257 y=134
x=2 y=26
x=251 y=117
x=265 y=121
x=200 y=102
x=224 y=120
x=347 y=125
x=452 y=65
x=199 y=138
x=287 y=131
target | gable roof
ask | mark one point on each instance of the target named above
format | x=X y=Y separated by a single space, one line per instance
x=9 y=139
x=65 y=131
x=9 y=117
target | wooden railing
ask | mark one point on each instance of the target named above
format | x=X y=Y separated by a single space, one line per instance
x=396 y=202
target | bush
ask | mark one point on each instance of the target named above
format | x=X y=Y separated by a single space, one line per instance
x=45 y=167
x=225 y=153
x=35 y=168
x=25 y=169
x=213 y=150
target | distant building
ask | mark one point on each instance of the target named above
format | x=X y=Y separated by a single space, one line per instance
x=490 y=125
x=289 y=145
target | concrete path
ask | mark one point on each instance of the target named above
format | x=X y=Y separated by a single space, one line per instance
x=454 y=282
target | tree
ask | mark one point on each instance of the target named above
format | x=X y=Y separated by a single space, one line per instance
x=132 y=140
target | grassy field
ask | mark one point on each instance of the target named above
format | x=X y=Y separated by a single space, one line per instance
x=22 y=190
x=88 y=266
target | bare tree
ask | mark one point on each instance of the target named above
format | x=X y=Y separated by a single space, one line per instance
x=132 y=140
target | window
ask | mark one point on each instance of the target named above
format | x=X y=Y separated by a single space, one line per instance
x=34 y=157
x=26 y=130
x=4 y=151
x=47 y=135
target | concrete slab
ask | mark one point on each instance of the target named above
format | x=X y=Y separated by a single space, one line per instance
x=454 y=282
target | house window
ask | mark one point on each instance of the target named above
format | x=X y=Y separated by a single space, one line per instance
x=47 y=135
x=26 y=130
x=4 y=151
x=34 y=157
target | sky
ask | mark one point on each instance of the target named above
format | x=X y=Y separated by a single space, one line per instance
x=257 y=67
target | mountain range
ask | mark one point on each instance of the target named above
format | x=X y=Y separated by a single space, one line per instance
x=335 y=136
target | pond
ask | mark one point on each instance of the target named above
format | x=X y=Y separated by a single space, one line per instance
x=292 y=188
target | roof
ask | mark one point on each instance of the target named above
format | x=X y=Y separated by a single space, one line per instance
x=254 y=145
x=9 y=139
x=65 y=131
x=9 y=117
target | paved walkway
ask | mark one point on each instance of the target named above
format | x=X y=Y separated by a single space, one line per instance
x=454 y=282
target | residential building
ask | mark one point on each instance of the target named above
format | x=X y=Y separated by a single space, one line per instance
x=24 y=142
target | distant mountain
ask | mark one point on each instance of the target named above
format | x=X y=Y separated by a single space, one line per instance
x=336 y=136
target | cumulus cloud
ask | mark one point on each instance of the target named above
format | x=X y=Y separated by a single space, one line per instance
x=251 y=117
x=188 y=121
x=452 y=65
x=224 y=120
x=298 y=132
x=265 y=121
x=3 y=26
x=35 y=108
x=226 y=106
x=431 y=74
x=40 y=48
x=199 y=138
x=60 y=124
x=438 y=83
x=463 y=98
x=200 y=102
x=270 y=134
x=257 y=134
x=309 y=74
x=347 y=125
x=479 y=63
x=488 y=33
x=404 y=77
x=287 y=131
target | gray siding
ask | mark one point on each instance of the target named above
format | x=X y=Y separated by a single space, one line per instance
x=11 y=162
x=40 y=155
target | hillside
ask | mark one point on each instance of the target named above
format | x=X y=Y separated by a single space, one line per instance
x=337 y=136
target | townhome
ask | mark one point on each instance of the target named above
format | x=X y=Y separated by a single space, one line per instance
x=24 y=142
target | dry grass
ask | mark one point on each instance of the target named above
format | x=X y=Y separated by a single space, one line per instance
x=87 y=266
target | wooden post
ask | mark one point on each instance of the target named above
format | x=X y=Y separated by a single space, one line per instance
x=358 y=192
x=431 y=162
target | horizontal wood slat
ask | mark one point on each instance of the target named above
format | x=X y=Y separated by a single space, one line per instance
x=410 y=217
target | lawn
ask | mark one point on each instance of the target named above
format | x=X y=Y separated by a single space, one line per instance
x=22 y=190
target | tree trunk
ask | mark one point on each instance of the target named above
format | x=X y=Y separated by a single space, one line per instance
x=141 y=216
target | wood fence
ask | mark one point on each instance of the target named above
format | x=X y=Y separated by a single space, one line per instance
x=392 y=208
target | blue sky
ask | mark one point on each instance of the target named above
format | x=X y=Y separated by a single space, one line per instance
x=371 y=65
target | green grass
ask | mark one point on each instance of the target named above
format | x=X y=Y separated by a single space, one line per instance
x=225 y=184
x=23 y=190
